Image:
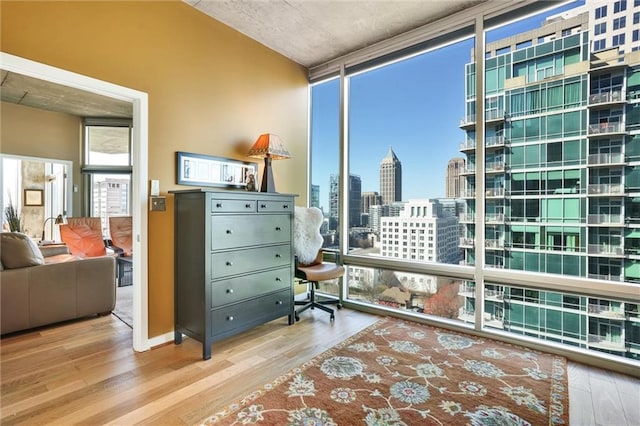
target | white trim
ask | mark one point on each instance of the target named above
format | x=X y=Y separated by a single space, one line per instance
x=140 y=103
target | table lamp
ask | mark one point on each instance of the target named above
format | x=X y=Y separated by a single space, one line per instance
x=57 y=220
x=269 y=147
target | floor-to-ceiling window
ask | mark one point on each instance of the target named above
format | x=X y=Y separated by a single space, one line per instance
x=107 y=168
x=469 y=171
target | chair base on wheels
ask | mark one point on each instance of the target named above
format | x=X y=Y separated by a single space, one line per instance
x=312 y=303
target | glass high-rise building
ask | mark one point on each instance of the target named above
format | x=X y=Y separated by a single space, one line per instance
x=390 y=178
x=561 y=182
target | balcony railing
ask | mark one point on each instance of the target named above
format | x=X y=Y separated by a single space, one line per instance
x=495 y=141
x=495 y=192
x=494 y=114
x=605 y=219
x=494 y=294
x=600 y=128
x=468 y=193
x=605 y=159
x=601 y=342
x=606 y=97
x=467 y=242
x=609 y=277
x=605 y=189
x=468 y=120
x=495 y=166
x=495 y=218
x=470 y=169
x=467 y=290
x=494 y=244
x=605 y=311
x=467 y=145
x=605 y=249
x=490 y=142
x=467 y=217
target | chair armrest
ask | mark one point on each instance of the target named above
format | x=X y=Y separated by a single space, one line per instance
x=117 y=250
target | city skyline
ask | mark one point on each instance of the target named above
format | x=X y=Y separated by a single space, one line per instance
x=383 y=115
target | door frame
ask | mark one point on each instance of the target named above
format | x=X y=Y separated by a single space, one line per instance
x=140 y=203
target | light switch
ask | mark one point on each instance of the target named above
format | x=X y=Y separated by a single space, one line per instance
x=155 y=187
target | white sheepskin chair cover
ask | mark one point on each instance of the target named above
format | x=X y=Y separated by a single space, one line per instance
x=306 y=233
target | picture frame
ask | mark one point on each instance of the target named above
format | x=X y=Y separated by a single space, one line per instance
x=206 y=170
x=33 y=197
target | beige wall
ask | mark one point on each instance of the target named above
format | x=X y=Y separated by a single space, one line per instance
x=37 y=133
x=211 y=90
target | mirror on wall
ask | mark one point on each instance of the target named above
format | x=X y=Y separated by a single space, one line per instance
x=37 y=190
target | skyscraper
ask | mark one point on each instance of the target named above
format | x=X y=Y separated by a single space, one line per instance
x=315 y=196
x=562 y=165
x=334 y=201
x=390 y=178
x=454 y=181
x=370 y=199
x=355 y=189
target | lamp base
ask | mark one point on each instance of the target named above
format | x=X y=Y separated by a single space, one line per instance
x=267 y=177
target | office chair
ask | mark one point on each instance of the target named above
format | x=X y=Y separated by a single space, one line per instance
x=309 y=264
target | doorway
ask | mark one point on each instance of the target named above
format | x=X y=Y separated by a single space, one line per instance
x=139 y=191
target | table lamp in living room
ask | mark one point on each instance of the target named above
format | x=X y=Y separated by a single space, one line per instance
x=269 y=147
x=57 y=220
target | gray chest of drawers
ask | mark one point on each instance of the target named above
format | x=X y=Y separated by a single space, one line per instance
x=233 y=262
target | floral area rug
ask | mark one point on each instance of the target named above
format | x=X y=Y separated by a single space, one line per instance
x=402 y=373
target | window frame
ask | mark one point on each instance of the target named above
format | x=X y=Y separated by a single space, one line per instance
x=480 y=273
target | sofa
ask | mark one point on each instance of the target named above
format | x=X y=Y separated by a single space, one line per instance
x=45 y=285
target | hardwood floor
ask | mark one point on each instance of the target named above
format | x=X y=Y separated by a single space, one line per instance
x=86 y=372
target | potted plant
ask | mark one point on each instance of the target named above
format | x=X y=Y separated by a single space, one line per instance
x=13 y=218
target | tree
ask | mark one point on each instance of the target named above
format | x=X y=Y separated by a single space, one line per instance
x=444 y=303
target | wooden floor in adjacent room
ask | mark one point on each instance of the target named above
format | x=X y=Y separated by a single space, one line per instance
x=86 y=372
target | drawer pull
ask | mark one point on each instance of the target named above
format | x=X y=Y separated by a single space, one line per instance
x=278 y=256
x=263 y=206
x=229 y=232
x=278 y=279
x=229 y=263
x=285 y=206
x=230 y=318
x=229 y=290
x=219 y=205
x=278 y=228
x=279 y=302
x=248 y=206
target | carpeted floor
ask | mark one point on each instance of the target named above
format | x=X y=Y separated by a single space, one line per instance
x=403 y=373
x=124 y=305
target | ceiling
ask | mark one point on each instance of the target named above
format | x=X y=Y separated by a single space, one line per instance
x=309 y=32
x=36 y=93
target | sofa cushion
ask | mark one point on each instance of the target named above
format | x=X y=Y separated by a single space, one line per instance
x=19 y=251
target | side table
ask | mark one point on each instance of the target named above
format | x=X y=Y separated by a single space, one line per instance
x=124 y=264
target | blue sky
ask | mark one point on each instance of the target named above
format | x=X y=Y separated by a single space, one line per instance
x=414 y=106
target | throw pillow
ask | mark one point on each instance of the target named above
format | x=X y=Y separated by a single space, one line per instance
x=306 y=234
x=19 y=251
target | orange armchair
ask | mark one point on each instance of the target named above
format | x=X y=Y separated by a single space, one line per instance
x=83 y=236
x=120 y=230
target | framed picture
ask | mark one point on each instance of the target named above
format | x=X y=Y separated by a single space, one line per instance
x=205 y=170
x=33 y=197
